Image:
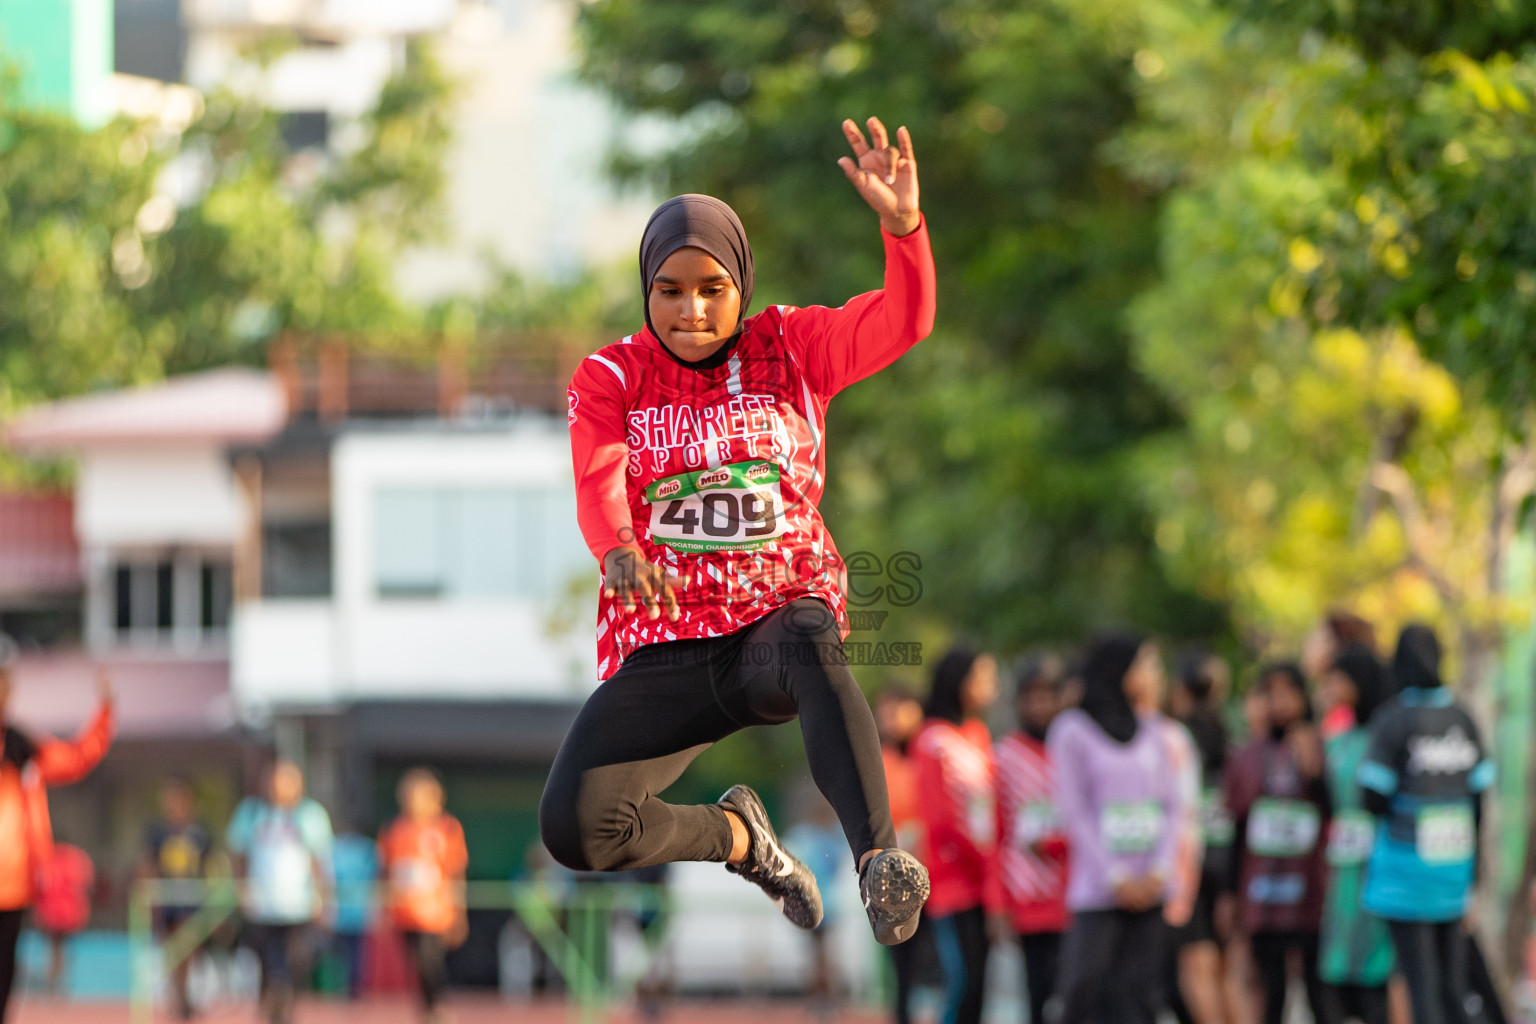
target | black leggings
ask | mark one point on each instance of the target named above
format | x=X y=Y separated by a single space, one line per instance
x=1042 y=964
x=1365 y=1003
x=431 y=958
x=1112 y=967
x=10 y=933
x=1432 y=956
x=1270 y=951
x=912 y=963
x=669 y=701
x=962 y=942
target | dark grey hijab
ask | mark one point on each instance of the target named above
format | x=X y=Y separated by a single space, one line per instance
x=698 y=222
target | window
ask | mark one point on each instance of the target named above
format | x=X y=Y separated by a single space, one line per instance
x=475 y=542
x=296 y=559
x=215 y=591
x=185 y=594
x=148 y=39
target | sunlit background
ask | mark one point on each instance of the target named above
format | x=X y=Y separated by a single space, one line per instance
x=1236 y=300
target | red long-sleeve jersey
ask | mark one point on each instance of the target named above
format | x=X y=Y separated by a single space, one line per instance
x=1030 y=884
x=956 y=795
x=715 y=472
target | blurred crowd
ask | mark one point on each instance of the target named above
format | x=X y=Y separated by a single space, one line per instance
x=302 y=886
x=1153 y=848
x=1148 y=846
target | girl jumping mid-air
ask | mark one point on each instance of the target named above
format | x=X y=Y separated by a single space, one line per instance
x=700 y=456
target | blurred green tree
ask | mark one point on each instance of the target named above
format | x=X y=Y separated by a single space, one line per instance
x=1344 y=309
x=109 y=276
x=999 y=451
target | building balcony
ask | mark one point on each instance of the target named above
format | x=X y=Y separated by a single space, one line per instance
x=288 y=653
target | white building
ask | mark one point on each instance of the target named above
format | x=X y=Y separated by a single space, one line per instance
x=526 y=180
x=361 y=590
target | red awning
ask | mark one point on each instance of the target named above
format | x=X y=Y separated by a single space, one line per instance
x=157 y=698
x=39 y=554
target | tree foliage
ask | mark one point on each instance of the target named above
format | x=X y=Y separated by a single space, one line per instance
x=105 y=280
x=1340 y=317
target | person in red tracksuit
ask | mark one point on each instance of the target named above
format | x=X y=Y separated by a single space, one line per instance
x=898 y=717
x=956 y=794
x=699 y=450
x=1029 y=891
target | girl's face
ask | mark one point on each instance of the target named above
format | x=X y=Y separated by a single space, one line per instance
x=980 y=687
x=1339 y=690
x=1317 y=652
x=1037 y=706
x=694 y=304
x=1286 y=704
x=898 y=718
x=422 y=799
x=1256 y=710
x=1144 y=679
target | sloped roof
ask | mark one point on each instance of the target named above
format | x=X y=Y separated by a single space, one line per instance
x=234 y=404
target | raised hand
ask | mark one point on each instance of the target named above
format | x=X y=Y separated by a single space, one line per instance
x=885 y=175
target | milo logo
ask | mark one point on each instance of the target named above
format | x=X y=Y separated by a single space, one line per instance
x=761 y=471
x=668 y=489
x=715 y=477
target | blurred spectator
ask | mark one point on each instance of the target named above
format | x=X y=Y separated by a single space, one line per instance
x=27 y=768
x=899 y=716
x=1030 y=883
x=283 y=845
x=1121 y=800
x=955 y=784
x=1334 y=632
x=424 y=859
x=1424 y=776
x=818 y=841
x=1184 y=883
x=355 y=867
x=63 y=906
x=1278 y=798
x=1196 y=700
x=1356 y=957
x=176 y=850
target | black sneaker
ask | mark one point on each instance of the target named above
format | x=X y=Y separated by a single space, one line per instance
x=769 y=866
x=895 y=887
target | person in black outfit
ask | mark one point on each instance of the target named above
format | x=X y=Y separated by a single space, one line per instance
x=176 y=850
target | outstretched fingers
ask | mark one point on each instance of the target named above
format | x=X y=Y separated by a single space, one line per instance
x=880 y=142
x=855 y=138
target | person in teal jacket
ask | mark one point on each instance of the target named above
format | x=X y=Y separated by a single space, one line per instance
x=1356 y=957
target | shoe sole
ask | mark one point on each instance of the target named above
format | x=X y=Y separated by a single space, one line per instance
x=807 y=915
x=903 y=888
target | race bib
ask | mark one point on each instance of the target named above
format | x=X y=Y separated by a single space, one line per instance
x=981 y=814
x=1215 y=823
x=1034 y=822
x=734 y=508
x=1131 y=828
x=1282 y=828
x=415 y=875
x=1445 y=834
x=1351 y=835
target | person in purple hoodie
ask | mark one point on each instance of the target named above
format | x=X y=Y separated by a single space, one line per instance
x=1119 y=798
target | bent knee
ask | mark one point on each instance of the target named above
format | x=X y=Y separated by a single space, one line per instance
x=585 y=838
